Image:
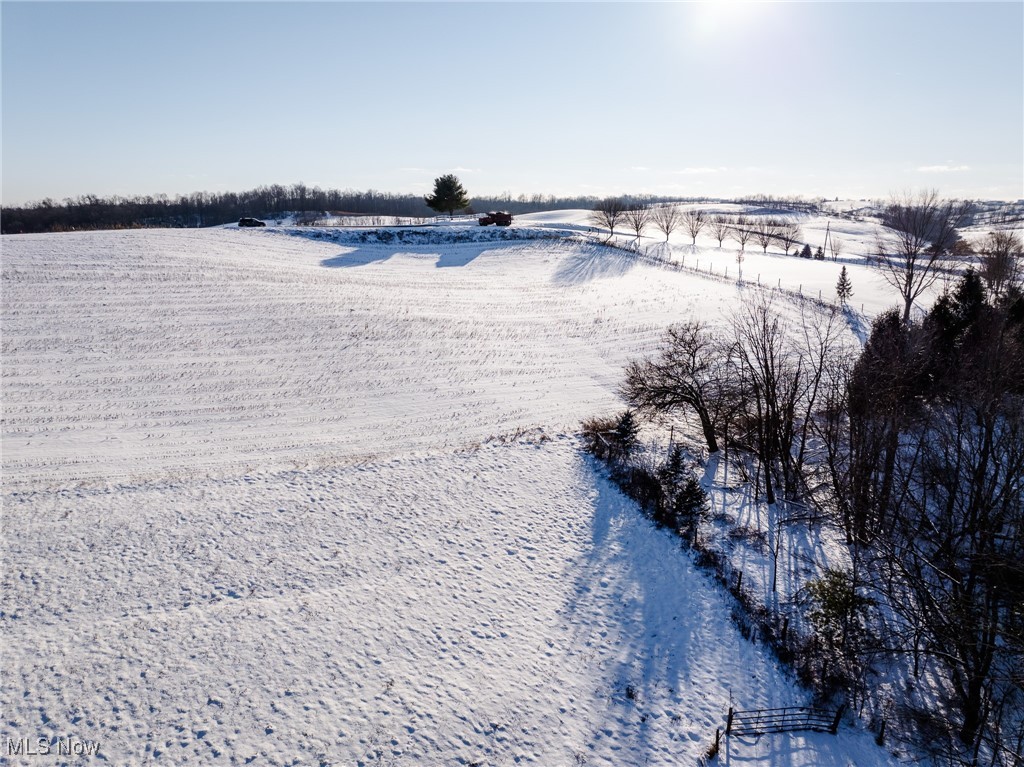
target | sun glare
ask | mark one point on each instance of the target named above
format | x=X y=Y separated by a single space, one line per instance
x=711 y=20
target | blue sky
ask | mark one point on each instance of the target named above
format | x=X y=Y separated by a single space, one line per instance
x=834 y=99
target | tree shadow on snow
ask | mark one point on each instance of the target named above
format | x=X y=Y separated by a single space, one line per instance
x=658 y=631
x=593 y=263
x=447 y=256
x=460 y=255
x=358 y=257
x=798 y=749
x=655 y=636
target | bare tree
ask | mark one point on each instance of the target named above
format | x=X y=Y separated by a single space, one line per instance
x=835 y=247
x=638 y=216
x=765 y=231
x=789 y=234
x=918 y=233
x=1001 y=254
x=608 y=213
x=688 y=373
x=720 y=227
x=693 y=222
x=666 y=219
x=766 y=369
x=741 y=231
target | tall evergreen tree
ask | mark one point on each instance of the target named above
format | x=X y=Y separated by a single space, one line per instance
x=449 y=195
x=844 y=287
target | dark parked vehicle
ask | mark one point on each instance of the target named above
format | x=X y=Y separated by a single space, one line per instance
x=495 y=217
x=250 y=222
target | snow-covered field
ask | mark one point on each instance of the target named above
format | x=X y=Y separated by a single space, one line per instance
x=277 y=500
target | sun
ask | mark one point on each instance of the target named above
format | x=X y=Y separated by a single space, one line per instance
x=711 y=20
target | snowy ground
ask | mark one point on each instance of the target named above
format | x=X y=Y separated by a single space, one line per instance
x=274 y=500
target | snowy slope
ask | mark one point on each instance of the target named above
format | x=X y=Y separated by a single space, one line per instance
x=495 y=607
x=274 y=500
x=169 y=351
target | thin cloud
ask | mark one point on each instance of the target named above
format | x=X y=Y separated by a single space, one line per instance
x=697 y=171
x=639 y=167
x=943 y=168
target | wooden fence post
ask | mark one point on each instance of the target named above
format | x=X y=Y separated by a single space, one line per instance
x=835 y=722
x=728 y=723
x=880 y=738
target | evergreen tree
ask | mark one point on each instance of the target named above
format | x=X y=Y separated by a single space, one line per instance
x=449 y=195
x=684 y=500
x=844 y=287
x=806 y=252
x=627 y=431
x=819 y=254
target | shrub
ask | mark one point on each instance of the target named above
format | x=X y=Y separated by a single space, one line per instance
x=611 y=439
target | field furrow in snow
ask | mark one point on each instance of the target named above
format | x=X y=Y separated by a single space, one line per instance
x=131 y=354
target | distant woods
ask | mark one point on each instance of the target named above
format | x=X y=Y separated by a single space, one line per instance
x=264 y=202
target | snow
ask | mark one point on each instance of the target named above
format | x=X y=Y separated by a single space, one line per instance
x=280 y=499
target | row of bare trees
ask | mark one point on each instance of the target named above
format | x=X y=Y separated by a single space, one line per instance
x=914 y=449
x=615 y=212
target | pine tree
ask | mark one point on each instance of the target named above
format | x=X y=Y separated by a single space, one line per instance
x=449 y=195
x=806 y=252
x=844 y=287
x=626 y=432
x=819 y=254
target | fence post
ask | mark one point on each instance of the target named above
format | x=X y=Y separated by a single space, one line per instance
x=739 y=581
x=785 y=629
x=880 y=738
x=835 y=722
x=728 y=723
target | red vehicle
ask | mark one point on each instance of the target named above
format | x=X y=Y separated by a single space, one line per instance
x=499 y=218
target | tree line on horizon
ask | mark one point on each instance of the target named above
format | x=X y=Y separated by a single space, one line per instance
x=88 y=212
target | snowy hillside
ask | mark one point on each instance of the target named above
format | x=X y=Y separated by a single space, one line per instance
x=279 y=497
